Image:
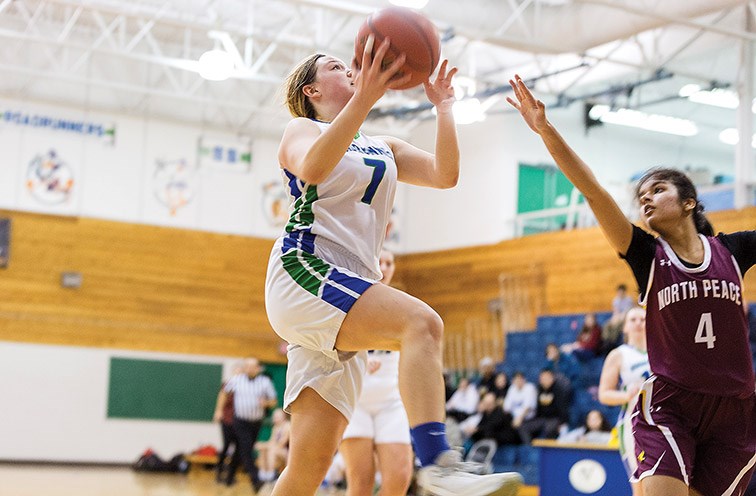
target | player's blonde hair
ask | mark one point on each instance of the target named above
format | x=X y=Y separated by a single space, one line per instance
x=303 y=74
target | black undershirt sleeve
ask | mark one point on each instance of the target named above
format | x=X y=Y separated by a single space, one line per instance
x=742 y=245
x=639 y=256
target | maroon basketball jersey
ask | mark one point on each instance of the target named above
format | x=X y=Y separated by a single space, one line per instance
x=695 y=322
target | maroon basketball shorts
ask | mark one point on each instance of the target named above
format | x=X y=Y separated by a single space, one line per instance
x=706 y=441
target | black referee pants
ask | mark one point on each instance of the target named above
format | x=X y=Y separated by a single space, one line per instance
x=246 y=435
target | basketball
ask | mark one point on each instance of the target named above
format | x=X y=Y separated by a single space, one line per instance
x=410 y=33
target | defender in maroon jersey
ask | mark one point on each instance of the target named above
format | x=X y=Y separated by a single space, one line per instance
x=695 y=423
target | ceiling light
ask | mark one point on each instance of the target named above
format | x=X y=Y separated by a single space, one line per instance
x=642 y=120
x=216 y=65
x=598 y=111
x=412 y=4
x=730 y=136
x=463 y=87
x=468 y=111
x=716 y=97
x=688 y=90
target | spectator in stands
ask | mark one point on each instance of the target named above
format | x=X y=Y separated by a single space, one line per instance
x=552 y=410
x=565 y=366
x=595 y=430
x=491 y=422
x=588 y=342
x=500 y=387
x=611 y=331
x=464 y=401
x=273 y=452
x=227 y=428
x=622 y=302
x=486 y=375
x=521 y=400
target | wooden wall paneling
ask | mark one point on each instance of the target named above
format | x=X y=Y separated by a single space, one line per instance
x=581 y=271
x=144 y=287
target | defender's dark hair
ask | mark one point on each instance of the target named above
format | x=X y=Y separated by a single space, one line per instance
x=685 y=189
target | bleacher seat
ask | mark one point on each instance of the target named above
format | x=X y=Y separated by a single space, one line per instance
x=525 y=353
x=527 y=455
x=530 y=474
x=505 y=456
x=534 y=357
x=515 y=358
x=531 y=340
x=567 y=336
x=546 y=323
x=548 y=336
x=515 y=340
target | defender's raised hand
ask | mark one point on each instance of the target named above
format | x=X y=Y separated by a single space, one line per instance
x=532 y=110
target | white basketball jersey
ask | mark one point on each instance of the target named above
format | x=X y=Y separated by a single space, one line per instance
x=382 y=385
x=351 y=207
x=634 y=370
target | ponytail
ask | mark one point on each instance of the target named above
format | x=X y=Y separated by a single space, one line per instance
x=703 y=225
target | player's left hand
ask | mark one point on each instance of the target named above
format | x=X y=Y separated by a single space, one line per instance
x=440 y=92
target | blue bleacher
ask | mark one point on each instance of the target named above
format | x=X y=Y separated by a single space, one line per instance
x=525 y=353
x=522 y=459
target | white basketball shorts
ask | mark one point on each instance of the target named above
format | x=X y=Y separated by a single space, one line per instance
x=310 y=287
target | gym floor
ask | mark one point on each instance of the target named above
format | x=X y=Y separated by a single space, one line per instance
x=50 y=480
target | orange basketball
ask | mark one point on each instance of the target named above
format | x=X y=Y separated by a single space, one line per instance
x=410 y=33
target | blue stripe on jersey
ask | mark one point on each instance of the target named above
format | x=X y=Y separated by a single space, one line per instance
x=293 y=186
x=290 y=242
x=301 y=240
x=307 y=240
x=338 y=298
x=355 y=284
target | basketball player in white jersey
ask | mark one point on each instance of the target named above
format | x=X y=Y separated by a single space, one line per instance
x=625 y=370
x=320 y=291
x=379 y=424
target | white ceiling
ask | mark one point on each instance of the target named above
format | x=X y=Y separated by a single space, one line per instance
x=139 y=57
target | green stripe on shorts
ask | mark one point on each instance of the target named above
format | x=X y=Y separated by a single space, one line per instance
x=308 y=273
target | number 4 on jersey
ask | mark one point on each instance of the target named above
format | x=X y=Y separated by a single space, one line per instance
x=705 y=331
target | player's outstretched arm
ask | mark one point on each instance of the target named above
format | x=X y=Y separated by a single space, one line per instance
x=613 y=222
x=439 y=169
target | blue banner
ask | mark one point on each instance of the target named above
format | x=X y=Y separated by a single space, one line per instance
x=5 y=226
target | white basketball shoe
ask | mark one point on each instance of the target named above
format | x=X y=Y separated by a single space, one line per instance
x=450 y=476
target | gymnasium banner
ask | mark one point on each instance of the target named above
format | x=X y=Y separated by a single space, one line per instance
x=5 y=229
x=60 y=123
x=225 y=153
x=65 y=161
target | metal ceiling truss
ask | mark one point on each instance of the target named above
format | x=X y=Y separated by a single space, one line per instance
x=138 y=42
x=144 y=53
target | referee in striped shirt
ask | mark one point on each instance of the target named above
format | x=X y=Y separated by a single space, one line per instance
x=253 y=394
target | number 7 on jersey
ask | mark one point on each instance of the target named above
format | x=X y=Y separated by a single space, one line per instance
x=379 y=169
